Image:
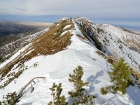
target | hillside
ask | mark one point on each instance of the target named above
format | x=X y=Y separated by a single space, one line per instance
x=12 y=43
x=15 y=35
x=114 y=41
x=52 y=56
x=12 y=27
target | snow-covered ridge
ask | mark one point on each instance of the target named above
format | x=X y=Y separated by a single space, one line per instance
x=121 y=43
x=57 y=67
x=114 y=41
x=130 y=38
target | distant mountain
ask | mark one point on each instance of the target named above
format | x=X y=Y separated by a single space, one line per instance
x=7 y=28
x=14 y=35
x=54 y=54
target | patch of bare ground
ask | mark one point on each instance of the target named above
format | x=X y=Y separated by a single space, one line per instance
x=49 y=43
x=82 y=37
x=133 y=43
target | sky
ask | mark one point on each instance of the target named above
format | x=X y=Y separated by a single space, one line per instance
x=116 y=12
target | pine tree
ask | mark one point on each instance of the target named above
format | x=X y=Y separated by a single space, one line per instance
x=82 y=97
x=103 y=91
x=56 y=92
x=1 y=59
x=120 y=76
x=10 y=99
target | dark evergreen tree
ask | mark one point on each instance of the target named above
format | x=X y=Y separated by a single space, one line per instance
x=120 y=76
x=80 y=95
x=10 y=99
x=103 y=91
x=56 y=93
x=1 y=59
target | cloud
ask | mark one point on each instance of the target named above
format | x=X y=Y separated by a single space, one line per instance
x=3 y=9
x=93 y=8
x=21 y=9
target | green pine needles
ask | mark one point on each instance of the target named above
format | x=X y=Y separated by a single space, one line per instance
x=80 y=95
x=56 y=92
x=10 y=99
x=120 y=77
x=76 y=80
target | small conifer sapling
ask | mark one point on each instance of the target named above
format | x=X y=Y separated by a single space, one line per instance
x=80 y=95
x=56 y=93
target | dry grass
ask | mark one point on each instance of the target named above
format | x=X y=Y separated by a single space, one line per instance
x=82 y=37
x=47 y=44
x=51 y=43
x=134 y=43
x=101 y=54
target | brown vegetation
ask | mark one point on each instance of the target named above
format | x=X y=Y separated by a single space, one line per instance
x=82 y=37
x=133 y=42
x=101 y=54
x=111 y=59
x=49 y=43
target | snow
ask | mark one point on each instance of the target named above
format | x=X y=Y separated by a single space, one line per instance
x=64 y=33
x=65 y=18
x=15 y=55
x=66 y=27
x=57 y=67
x=24 y=48
x=118 y=37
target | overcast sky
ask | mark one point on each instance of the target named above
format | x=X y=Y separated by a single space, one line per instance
x=97 y=8
x=121 y=9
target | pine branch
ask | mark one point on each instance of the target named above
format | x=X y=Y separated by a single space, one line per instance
x=32 y=80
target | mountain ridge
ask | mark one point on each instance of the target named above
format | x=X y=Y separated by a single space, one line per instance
x=67 y=44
